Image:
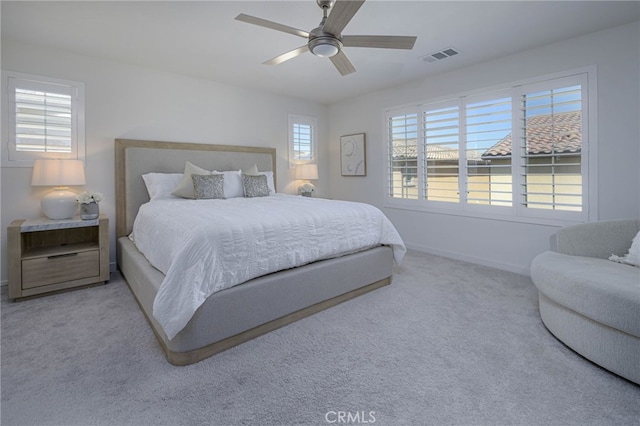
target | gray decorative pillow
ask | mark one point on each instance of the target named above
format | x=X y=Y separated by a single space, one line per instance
x=255 y=186
x=208 y=186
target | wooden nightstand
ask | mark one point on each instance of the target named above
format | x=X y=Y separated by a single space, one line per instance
x=52 y=255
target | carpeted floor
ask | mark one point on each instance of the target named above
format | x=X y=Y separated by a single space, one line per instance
x=448 y=343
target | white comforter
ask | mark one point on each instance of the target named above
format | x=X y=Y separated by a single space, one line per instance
x=204 y=246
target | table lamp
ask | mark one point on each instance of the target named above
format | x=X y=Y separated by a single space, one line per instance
x=306 y=172
x=60 y=203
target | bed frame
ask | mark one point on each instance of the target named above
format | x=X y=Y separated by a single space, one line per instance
x=248 y=310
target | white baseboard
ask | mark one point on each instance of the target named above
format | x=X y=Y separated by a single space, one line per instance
x=518 y=269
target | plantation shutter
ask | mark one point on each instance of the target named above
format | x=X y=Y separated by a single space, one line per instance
x=441 y=158
x=520 y=151
x=551 y=150
x=488 y=152
x=302 y=141
x=403 y=156
x=45 y=118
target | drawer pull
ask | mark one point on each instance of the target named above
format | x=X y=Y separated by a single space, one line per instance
x=56 y=256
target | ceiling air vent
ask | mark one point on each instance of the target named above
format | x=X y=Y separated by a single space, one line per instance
x=442 y=54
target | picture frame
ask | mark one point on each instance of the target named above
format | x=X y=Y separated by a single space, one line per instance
x=353 y=158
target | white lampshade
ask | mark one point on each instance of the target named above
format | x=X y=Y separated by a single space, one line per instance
x=307 y=171
x=57 y=173
x=61 y=203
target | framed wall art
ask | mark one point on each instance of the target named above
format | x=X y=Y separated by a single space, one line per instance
x=353 y=155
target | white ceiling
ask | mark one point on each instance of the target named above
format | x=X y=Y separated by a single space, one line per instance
x=202 y=38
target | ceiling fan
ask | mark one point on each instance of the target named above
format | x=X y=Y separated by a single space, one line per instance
x=326 y=40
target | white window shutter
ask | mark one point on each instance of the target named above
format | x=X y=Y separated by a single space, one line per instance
x=45 y=119
x=442 y=153
x=488 y=145
x=551 y=149
x=402 y=156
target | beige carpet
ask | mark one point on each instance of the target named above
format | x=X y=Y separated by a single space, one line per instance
x=448 y=343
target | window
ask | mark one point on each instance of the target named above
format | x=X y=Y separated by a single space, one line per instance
x=302 y=140
x=44 y=119
x=441 y=157
x=488 y=123
x=403 y=155
x=520 y=151
x=551 y=148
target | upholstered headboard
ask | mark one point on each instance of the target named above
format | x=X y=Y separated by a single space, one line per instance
x=133 y=158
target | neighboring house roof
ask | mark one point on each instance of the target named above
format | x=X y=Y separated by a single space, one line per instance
x=434 y=152
x=558 y=133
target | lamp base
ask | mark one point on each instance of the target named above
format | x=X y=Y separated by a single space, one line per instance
x=59 y=204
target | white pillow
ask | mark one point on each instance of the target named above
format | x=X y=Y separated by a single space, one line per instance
x=160 y=185
x=252 y=171
x=270 y=184
x=232 y=183
x=184 y=188
x=633 y=257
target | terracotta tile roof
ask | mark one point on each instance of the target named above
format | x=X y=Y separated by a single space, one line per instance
x=434 y=152
x=544 y=136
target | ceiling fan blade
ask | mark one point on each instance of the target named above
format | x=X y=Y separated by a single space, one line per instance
x=383 y=42
x=343 y=64
x=286 y=56
x=271 y=25
x=341 y=13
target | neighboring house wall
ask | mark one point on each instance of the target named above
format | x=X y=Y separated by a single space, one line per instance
x=504 y=243
x=496 y=181
x=125 y=101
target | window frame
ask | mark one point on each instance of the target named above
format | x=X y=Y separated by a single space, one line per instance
x=305 y=121
x=11 y=81
x=516 y=213
x=586 y=147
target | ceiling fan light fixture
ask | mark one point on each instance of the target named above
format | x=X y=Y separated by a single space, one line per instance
x=326 y=39
x=325 y=50
x=325 y=47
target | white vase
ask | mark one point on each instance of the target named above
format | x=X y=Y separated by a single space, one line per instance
x=89 y=211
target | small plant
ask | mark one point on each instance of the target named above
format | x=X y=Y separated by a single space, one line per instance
x=88 y=197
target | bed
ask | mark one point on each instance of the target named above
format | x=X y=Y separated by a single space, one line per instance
x=248 y=309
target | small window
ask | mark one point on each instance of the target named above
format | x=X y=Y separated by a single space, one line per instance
x=44 y=119
x=302 y=140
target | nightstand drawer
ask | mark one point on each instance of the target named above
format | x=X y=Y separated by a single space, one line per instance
x=59 y=268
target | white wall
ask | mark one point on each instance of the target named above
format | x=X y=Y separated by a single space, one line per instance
x=124 y=101
x=507 y=245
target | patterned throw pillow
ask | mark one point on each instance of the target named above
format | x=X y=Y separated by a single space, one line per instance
x=208 y=186
x=255 y=186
